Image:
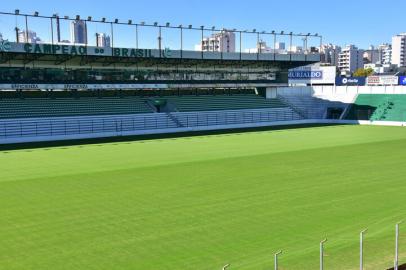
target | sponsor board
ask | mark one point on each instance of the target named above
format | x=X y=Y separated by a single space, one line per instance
x=382 y=80
x=351 y=81
x=81 y=86
x=402 y=80
x=306 y=74
x=312 y=75
x=139 y=86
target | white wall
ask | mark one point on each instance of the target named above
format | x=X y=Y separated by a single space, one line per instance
x=319 y=75
x=335 y=93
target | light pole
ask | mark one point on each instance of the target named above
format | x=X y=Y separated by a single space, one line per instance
x=52 y=32
x=361 y=249
x=276 y=259
x=181 y=40
x=17 y=35
x=291 y=44
x=397 y=245
x=202 y=29
x=160 y=40
x=136 y=36
x=26 y=28
x=240 y=45
x=258 y=46
x=274 y=44
x=112 y=37
x=322 y=253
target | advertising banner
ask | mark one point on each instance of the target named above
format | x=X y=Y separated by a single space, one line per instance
x=312 y=75
x=81 y=86
x=351 y=81
x=402 y=80
x=382 y=80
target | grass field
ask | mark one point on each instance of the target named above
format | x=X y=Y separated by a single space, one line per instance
x=201 y=202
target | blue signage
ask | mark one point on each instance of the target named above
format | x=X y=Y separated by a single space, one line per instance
x=351 y=81
x=305 y=74
x=402 y=80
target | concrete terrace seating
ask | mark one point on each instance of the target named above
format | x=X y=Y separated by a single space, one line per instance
x=312 y=107
x=222 y=102
x=75 y=127
x=235 y=117
x=44 y=107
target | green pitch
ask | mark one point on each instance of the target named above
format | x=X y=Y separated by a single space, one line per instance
x=201 y=202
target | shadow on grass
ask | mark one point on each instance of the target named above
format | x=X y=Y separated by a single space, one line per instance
x=400 y=267
x=34 y=145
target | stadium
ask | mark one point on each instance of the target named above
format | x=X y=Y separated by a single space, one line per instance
x=165 y=157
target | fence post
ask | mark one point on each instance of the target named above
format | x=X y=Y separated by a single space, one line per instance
x=276 y=259
x=322 y=254
x=361 y=249
x=397 y=246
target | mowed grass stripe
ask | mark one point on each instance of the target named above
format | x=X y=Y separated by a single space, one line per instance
x=94 y=158
x=200 y=214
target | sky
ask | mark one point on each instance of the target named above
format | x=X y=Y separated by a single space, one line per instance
x=341 y=22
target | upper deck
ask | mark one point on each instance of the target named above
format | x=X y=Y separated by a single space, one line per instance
x=11 y=51
x=34 y=51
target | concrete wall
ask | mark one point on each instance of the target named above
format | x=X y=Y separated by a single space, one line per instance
x=65 y=128
x=334 y=93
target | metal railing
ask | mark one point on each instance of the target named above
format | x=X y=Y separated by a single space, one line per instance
x=396 y=263
x=118 y=125
x=18 y=26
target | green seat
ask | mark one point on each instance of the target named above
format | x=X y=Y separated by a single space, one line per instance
x=225 y=102
x=43 y=107
x=378 y=107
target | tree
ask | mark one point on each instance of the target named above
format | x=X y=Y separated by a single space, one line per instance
x=361 y=72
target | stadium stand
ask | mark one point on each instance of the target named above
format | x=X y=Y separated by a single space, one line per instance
x=45 y=107
x=27 y=129
x=224 y=102
x=312 y=107
x=39 y=115
x=32 y=107
x=48 y=115
x=378 y=107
